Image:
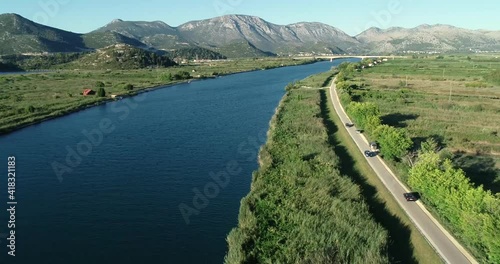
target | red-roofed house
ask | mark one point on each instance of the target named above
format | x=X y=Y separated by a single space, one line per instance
x=88 y=92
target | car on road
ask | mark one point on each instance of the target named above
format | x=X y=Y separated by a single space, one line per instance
x=411 y=196
x=359 y=131
x=349 y=124
x=368 y=153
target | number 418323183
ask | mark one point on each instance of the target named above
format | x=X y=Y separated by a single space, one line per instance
x=11 y=169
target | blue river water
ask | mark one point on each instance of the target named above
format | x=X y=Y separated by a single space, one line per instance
x=156 y=178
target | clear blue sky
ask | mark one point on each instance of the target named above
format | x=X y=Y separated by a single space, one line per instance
x=351 y=16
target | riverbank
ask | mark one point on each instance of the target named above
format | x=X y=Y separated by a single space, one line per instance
x=38 y=97
x=300 y=207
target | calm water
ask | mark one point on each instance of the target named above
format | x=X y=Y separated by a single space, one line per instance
x=120 y=201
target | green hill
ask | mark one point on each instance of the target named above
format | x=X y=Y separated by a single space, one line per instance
x=20 y=35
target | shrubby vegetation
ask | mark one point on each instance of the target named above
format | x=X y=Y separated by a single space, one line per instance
x=365 y=115
x=182 y=75
x=196 y=53
x=101 y=92
x=26 y=62
x=300 y=209
x=395 y=142
x=473 y=212
x=123 y=57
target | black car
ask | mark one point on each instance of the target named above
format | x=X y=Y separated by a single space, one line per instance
x=368 y=153
x=411 y=197
x=349 y=124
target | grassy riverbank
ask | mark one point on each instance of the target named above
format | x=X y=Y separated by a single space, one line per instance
x=29 y=98
x=301 y=208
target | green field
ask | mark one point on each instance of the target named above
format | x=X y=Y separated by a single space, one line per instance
x=451 y=103
x=455 y=100
x=30 y=98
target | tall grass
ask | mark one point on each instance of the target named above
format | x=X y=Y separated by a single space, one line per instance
x=300 y=208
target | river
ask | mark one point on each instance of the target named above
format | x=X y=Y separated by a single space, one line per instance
x=105 y=185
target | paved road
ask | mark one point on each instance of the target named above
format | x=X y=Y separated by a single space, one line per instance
x=446 y=246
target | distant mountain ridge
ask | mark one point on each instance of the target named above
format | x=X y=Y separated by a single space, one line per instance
x=242 y=35
x=266 y=36
x=439 y=37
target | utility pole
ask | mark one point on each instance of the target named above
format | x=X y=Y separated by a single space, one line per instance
x=449 y=99
x=451 y=87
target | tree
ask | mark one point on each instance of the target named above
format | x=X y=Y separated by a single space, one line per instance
x=372 y=122
x=365 y=115
x=167 y=77
x=99 y=84
x=30 y=109
x=183 y=75
x=101 y=92
x=473 y=212
x=128 y=87
x=340 y=77
x=343 y=65
x=343 y=86
x=367 y=62
x=394 y=143
x=351 y=68
x=428 y=146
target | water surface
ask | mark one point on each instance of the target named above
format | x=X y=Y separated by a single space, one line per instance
x=120 y=203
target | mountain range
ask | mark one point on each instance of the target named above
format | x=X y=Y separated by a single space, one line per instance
x=242 y=36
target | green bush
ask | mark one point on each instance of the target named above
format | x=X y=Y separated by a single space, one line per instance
x=365 y=115
x=101 y=92
x=394 y=143
x=183 y=75
x=166 y=77
x=30 y=109
x=128 y=87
